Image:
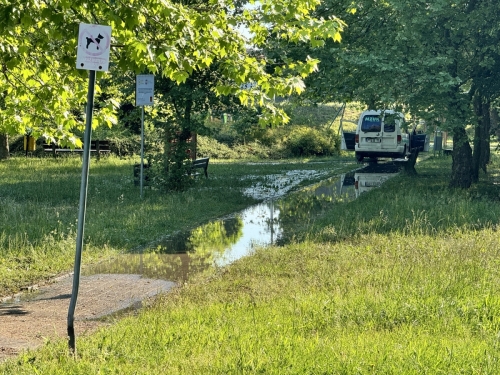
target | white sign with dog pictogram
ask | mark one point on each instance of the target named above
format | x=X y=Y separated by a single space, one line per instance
x=93 y=47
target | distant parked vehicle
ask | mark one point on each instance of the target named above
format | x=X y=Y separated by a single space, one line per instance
x=379 y=134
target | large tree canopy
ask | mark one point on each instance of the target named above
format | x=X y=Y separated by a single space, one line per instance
x=439 y=60
x=41 y=90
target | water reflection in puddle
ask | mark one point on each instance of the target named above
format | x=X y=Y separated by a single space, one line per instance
x=223 y=241
x=364 y=182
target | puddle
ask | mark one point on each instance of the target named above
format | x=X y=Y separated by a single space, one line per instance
x=224 y=241
x=364 y=182
x=278 y=185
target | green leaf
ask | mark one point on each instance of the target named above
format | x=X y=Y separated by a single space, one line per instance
x=179 y=76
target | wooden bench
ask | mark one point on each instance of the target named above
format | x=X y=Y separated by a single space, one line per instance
x=447 y=151
x=97 y=146
x=201 y=163
x=198 y=163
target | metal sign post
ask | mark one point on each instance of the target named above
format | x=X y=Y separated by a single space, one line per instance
x=93 y=54
x=144 y=93
x=142 y=150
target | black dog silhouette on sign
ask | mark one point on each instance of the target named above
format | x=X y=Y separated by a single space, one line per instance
x=97 y=40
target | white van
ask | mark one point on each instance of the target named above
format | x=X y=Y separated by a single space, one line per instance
x=379 y=134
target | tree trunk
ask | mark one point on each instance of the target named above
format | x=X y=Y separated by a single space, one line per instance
x=461 y=169
x=481 y=155
x=485 y=150
x=494 y=122
x=477 y=152
x=409 y=166
x=4 y=146
x=179 y=147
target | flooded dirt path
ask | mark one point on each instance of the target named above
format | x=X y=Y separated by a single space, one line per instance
x=125 y=281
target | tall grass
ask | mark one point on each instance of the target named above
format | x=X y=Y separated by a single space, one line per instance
x=391 y=289
x=422 y=205
x=391 y=304
x=39 y=209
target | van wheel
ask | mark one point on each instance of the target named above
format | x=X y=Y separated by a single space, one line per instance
x=359 y=157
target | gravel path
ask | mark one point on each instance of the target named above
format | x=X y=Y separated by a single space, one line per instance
x=26 y=323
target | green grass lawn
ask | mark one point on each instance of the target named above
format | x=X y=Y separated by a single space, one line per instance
x=39 y=209
x=403 y=280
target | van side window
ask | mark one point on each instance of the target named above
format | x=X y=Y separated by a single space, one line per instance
x=389 y=123
x=389 y=127
x=371 y=123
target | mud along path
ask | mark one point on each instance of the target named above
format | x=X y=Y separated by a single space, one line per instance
x=26 y=323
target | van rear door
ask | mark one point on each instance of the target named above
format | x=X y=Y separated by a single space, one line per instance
x=370 y=135
x=390 y=131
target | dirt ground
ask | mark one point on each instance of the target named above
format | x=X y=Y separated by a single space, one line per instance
x=27 y=321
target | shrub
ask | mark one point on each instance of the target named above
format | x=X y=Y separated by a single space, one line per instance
x=306 y=141
x=253 y=150
x=210 y=147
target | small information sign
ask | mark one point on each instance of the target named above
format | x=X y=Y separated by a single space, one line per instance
x=94 y=42
x=144 y=89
